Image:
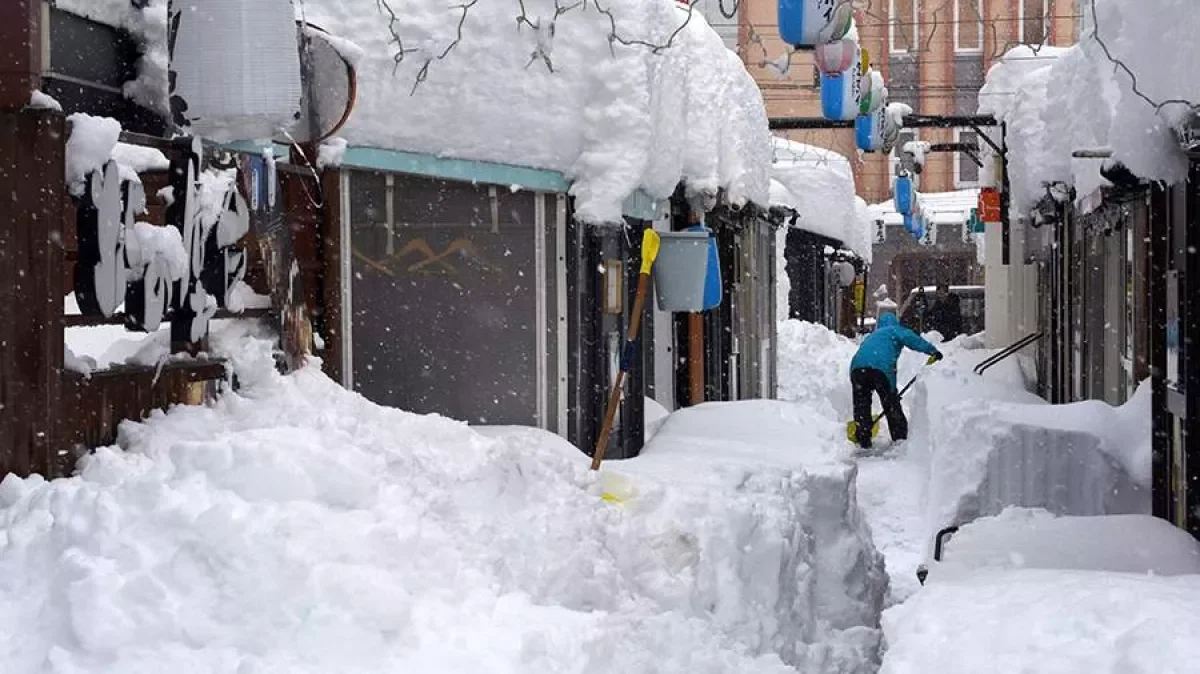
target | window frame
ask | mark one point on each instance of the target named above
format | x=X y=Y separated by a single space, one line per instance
x=958 y=26
x=915 y=36
x=959 y=183
x=1047 y=23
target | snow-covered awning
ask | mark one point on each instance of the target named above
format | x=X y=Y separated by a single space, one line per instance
x=1086 y=97
x=641 y=95
x=819 y=185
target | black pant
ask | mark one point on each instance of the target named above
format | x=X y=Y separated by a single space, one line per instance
x=868 y=380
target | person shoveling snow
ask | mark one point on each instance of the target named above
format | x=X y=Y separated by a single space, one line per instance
x=873 y=370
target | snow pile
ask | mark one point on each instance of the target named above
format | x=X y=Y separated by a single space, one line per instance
x=297 y=527
x=140 y=158
x=89 y=146
x=83 y=365
x=1028 y=538
x=1156 y=41
x=785 y=537
x=1061 y=622
x=991 y=444
x=814 y=367
x=40 y=100
x=560 y=95
x=552 y=92
x=819 y=184
x=331 y=153
x=152 y=242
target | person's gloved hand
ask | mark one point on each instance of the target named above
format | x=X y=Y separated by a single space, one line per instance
x=937 y=355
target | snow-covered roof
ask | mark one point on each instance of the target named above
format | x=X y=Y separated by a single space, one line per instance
x=553 y=92
x=1058 y=100
x=819 y=184
x=940 y=208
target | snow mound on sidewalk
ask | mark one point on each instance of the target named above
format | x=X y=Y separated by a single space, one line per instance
x=1032 y=538
x=785 y=537
x=991 y=444
x=1046 y=621
x=297 y=527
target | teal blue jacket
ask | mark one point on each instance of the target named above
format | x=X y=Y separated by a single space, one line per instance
x=881 y=349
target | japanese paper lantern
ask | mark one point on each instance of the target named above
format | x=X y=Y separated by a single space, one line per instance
x=835 y=57
x=807 y=23
x=902 y=194
x=237 y=68
x=868 y=131
x=840 y=92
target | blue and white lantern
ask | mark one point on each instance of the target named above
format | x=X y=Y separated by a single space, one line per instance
x=840 y=93
x=807 y=23
x=902 y=194
x=868 y=131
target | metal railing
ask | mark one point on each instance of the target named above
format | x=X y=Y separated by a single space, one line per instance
x=1008 y=351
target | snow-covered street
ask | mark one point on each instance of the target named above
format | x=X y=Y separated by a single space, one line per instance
x=599 y=337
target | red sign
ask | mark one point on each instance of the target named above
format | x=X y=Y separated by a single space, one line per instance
x=989 y=204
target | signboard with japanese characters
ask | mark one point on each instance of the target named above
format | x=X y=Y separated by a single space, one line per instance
x=184 y=271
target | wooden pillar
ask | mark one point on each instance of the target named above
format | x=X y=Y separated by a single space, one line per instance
x=31 y=288
x=31 y=254
x=21 y=43
x=331 y=276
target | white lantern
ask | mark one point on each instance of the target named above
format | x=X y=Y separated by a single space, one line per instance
x=237 y=68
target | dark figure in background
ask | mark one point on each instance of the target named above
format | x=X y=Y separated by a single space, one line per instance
x=945 y=315
x=873 y=371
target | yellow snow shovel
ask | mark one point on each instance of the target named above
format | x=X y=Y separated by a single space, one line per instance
x=852 y=426
x=649 y=252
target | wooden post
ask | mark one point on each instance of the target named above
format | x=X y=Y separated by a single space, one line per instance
x=331 y=275
x=32 y=144
x=31 y=288
x=695 y=358
x=20 y=51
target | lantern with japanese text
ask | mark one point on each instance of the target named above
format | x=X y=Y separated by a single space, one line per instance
x=868 y=131
x=840 y=92
x=807 y=23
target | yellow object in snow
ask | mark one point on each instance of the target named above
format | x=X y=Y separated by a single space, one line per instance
x=618 y=488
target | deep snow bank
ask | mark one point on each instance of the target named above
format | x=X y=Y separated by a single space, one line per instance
x=991 y=444
x=1052 y=622
x=814 y=367
x=297 y=527
x=783 y=537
